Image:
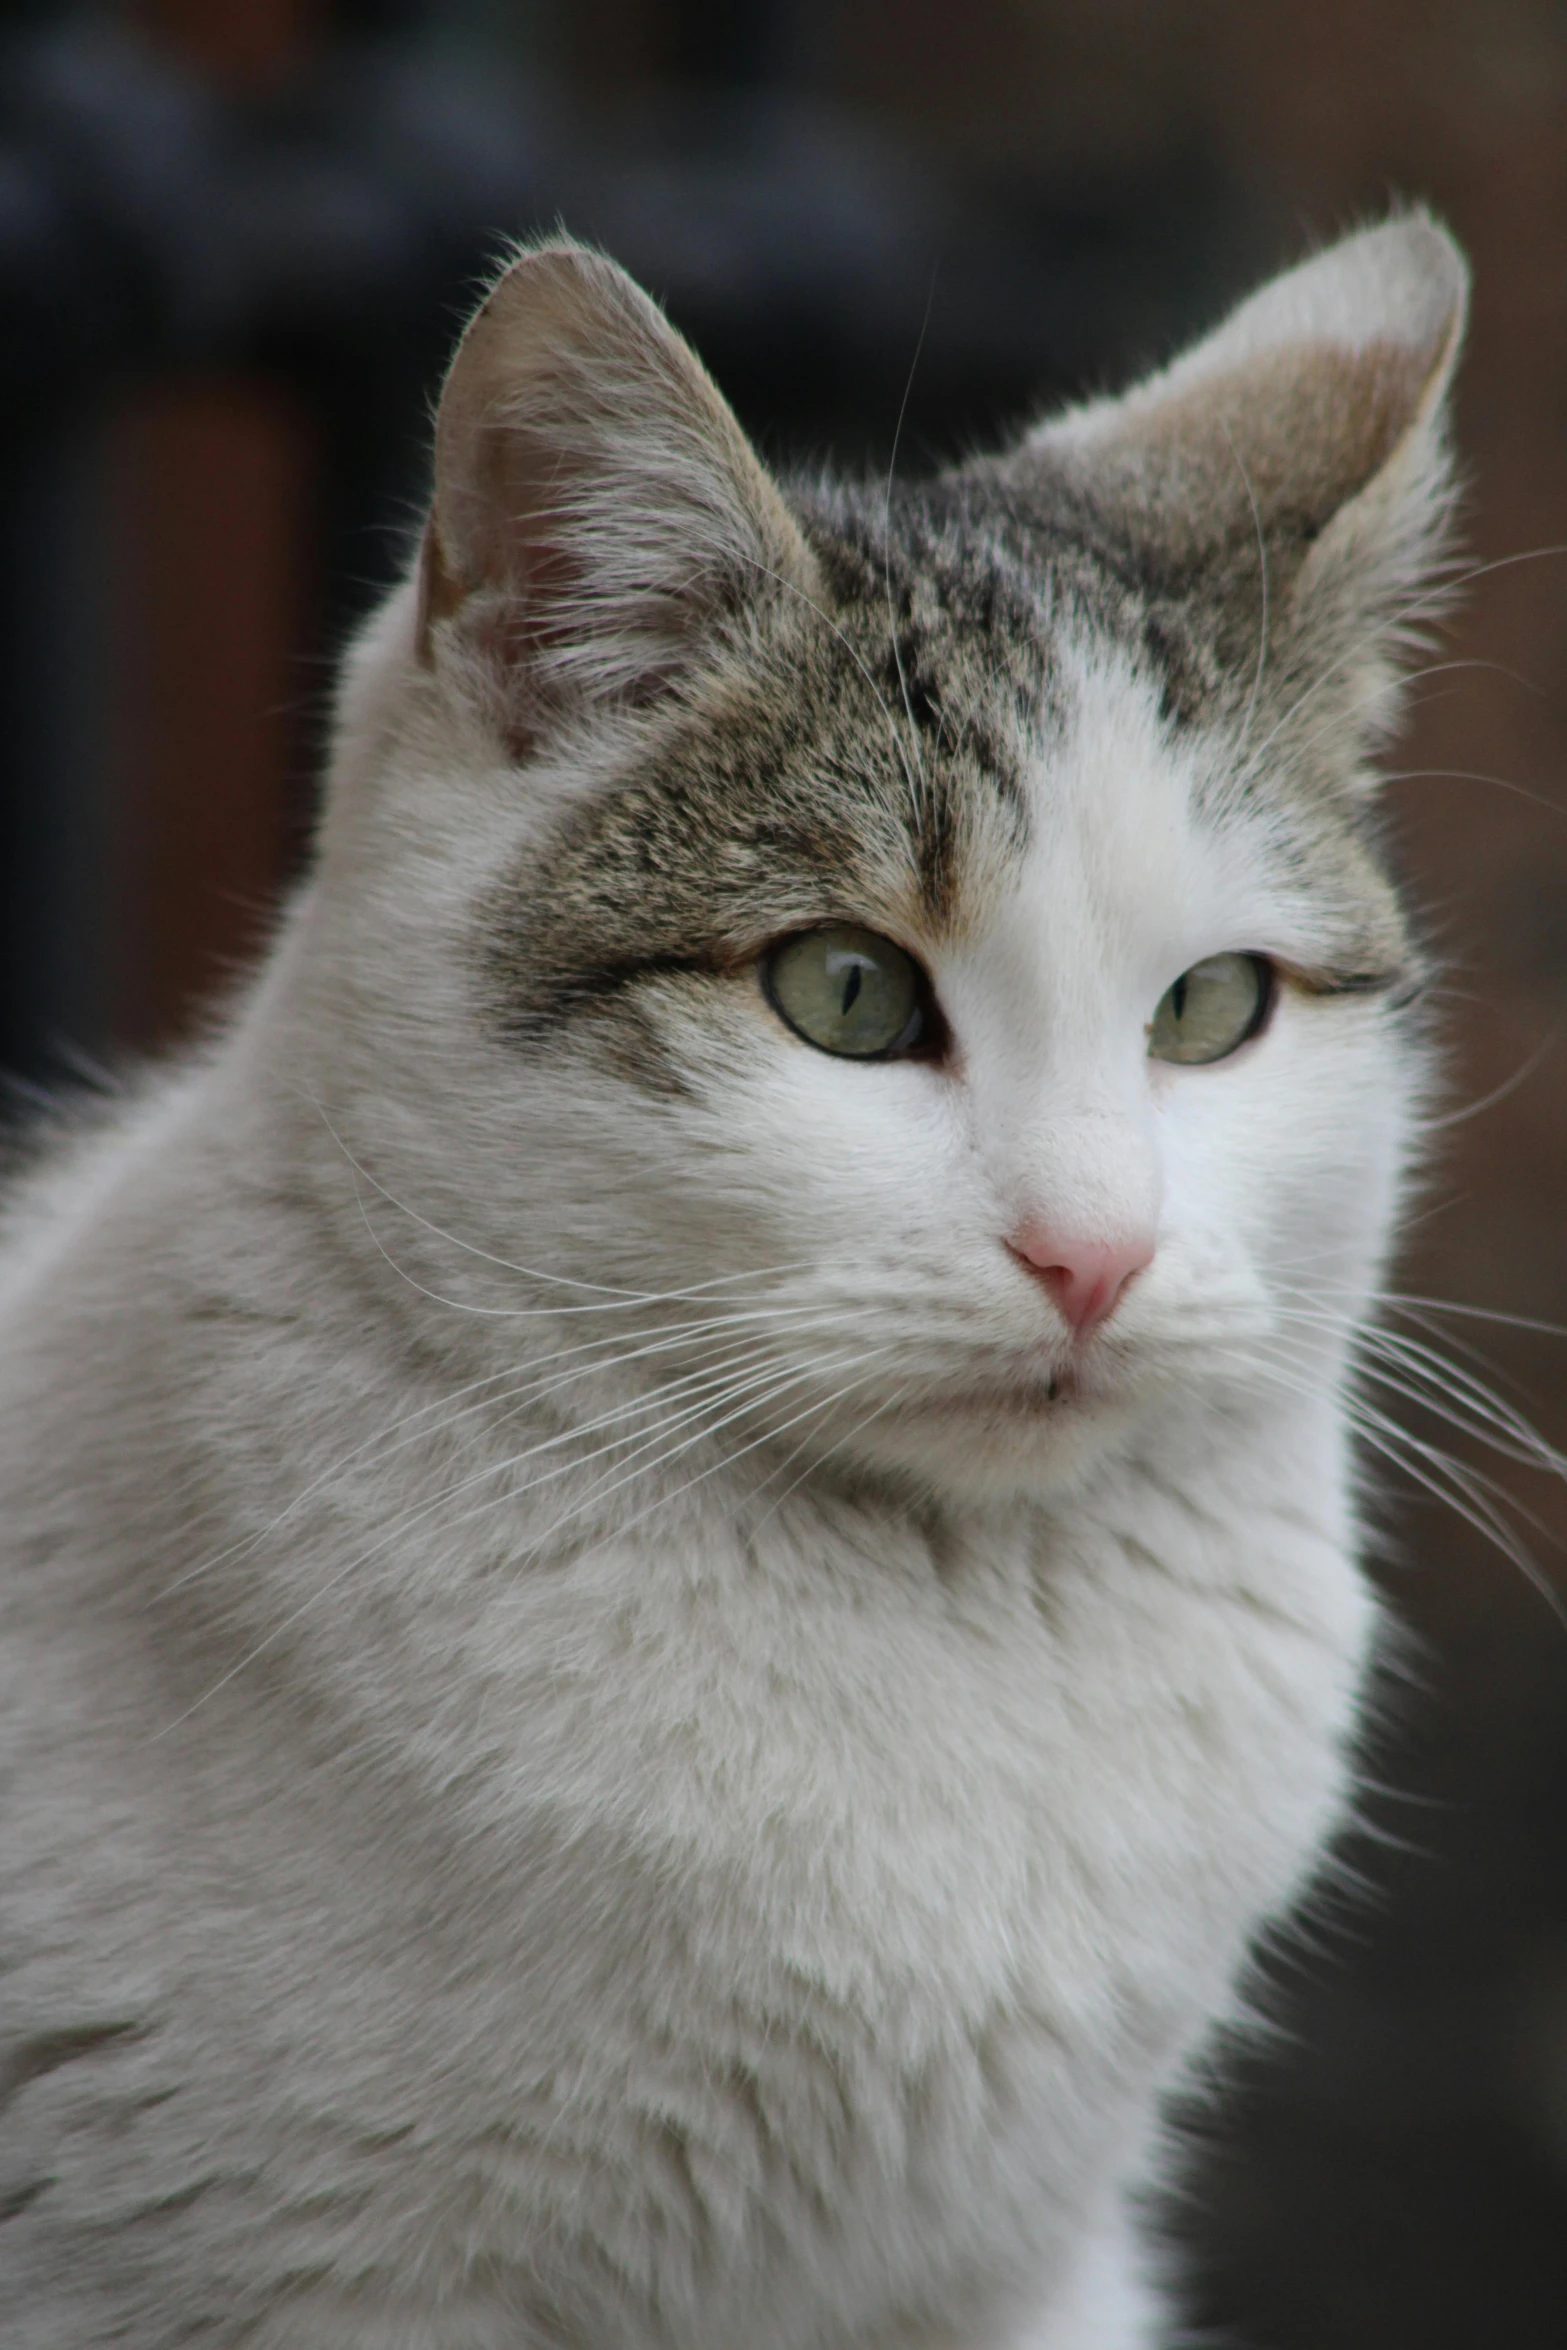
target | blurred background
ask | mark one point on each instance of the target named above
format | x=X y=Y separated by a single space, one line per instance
x=237 y=238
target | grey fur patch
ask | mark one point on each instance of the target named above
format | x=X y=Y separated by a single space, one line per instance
x=862 y=760
x=45 y=2052
x=860 y=763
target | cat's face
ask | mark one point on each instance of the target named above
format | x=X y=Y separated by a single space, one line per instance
x=915 y=962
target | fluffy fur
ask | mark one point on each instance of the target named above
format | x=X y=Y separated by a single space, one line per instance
x=613 y=1737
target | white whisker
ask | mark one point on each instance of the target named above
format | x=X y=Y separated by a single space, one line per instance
x=1262 y=559
x=386 y=1444
x=405 y=1525
x=615 y=1298
x=886 y=555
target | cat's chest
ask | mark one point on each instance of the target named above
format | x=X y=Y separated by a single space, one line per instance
x=761 y=1908
x=855 y=1896
x=944 y=1782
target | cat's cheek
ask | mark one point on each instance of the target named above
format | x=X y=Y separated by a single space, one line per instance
x=1314 y=1152
x=832 y=1153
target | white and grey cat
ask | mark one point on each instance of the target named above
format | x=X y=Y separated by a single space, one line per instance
x=679 y=1537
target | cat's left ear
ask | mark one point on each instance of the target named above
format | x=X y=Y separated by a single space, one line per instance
x=597 y=508
x=1302 y=446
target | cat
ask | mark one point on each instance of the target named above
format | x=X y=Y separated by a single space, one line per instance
x=680 y=1532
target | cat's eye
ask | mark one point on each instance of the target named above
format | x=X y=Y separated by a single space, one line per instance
x=848 y=991
x=1212 y=1009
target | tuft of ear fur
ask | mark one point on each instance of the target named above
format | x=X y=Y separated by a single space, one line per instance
x=597 y=507
x=1306 y=437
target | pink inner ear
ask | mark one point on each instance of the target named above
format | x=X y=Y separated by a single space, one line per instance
x=512 y=575
x=595 y=501
x=506 y=528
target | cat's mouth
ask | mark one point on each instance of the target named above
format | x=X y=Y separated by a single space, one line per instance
x=1026 y=1397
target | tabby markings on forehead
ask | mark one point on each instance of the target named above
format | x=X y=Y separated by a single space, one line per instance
x=1189 y=619
x=1188 y=614
x=820 y=769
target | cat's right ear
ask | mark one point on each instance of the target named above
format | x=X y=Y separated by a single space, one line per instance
x=1294 y=464
x=597 y=508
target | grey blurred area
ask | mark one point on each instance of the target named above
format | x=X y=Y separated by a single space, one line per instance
x=237 y=239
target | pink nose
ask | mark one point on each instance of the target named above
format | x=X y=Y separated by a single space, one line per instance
x=1087 y=1279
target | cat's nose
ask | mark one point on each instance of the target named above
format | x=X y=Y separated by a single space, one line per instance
x=1087 y=1279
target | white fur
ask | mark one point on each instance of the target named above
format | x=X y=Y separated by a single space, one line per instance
x=759 y=1892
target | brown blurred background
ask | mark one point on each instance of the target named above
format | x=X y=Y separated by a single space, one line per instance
x=236 y=238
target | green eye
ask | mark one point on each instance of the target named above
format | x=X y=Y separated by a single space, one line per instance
x=847 y=991
x=1212 y=1009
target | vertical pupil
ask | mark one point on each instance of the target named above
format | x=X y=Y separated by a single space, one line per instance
x=1178 y=998
x=851 y=990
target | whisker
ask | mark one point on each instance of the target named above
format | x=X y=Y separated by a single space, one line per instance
x=617 y=1297
x=792 y=1379
x=1409 y=1367
x=1509 y=1085
x=886 y=552
x=387 y=1443
x=1409 y=677
x=1262 y=558
x=1464 y=1492
x=711 y=1373
x=467 y=1517
x=1480 y=1500
x=793 y=588
x=1428 y=604
x=1412 y=1303
x=889 y=1403
x=768 y=1436
x=1504 y=783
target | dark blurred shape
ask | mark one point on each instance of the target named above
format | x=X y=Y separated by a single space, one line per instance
x=722 y=41
x=239 y=43
x=203 y=204
x=211 y=484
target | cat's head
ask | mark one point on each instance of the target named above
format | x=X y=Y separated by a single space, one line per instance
x=934 y=935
